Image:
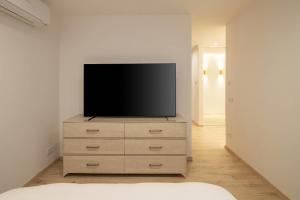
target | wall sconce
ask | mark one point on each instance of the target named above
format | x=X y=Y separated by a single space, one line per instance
x=221 y=67
x=221 y=72
x=205 y=66
x=205 y=78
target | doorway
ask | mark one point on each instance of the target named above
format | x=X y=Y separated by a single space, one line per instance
x=208 y=81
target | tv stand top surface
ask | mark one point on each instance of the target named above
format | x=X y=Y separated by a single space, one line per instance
x=81 y=118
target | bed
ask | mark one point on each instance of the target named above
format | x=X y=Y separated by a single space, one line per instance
x=141 y=191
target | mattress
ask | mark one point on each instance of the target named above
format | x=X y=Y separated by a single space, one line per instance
x=141 y=191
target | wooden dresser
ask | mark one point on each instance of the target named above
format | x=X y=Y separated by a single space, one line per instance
x=124 y=145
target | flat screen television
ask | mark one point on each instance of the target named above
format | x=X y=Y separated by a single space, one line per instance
x=130 y=90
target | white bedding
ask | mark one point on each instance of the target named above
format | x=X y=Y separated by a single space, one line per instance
x=141 y=191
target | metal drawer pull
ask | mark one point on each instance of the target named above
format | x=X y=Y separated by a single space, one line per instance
x=93 y=147
x=155 y=131
x=155 y=165
x=152 y=148
x=92 y=164
x=92 y=131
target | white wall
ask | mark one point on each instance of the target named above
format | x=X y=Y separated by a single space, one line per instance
x=197 y=86
x=28 y=100
x=208 y=90
x=121 y=39
x=263 y=91
x=206 y=35
x=214 y=83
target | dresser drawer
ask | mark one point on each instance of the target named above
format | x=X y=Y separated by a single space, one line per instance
x=155 y=164
x=152 y=130
x=155 y=147
x=90 y=129
x=93 y=164
x=94 y=146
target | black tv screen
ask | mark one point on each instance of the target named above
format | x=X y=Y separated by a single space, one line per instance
x=137 y=90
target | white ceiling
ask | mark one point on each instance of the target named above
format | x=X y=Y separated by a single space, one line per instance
x=209 y=17
x=204 y=11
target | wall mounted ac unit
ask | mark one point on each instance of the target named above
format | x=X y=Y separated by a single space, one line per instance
x=33 y=12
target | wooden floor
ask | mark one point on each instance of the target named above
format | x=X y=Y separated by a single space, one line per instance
x=214 y=120
x=211 y=164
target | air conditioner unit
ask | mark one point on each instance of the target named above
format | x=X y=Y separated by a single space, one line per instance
x=33 y=12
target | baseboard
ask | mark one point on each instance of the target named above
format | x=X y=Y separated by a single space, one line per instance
x=282 y=195
x=41 y=172
x=189 y=158
x=196 y=124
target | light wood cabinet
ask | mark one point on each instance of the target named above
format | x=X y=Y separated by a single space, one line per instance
x=154 y=130
x=155 y=147
x=155 y=164
x=124 y=145
x=94 y=146
x=93 y=164
x=92 y=130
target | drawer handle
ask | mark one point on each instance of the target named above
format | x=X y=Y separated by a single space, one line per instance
x=93 y=147
x=155 y=131
x=159 y=165
x=92 y=164
x=152 y=148
x=92 y=131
